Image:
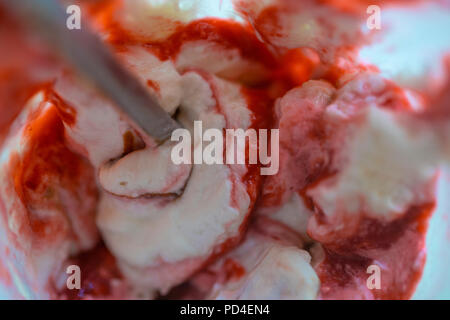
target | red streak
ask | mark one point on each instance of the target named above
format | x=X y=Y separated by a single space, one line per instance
x=233 y=270
x=347 y=260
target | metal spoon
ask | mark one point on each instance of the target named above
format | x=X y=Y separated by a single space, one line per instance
x=91 y=57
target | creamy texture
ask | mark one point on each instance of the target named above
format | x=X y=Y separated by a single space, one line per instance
x=47 y=213
x=166 y=210
x=292 y=24
x=273 y=270
x=386 y=170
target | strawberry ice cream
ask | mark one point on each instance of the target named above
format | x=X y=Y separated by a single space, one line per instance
x=360 y=156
